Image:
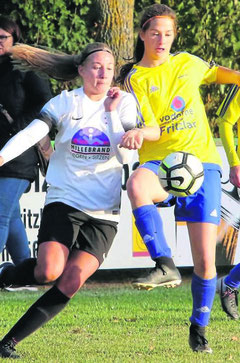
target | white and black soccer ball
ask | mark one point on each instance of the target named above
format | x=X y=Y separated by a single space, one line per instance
x=181 y=174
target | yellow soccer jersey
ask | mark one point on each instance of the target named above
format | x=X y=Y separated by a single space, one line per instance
x=229 y=115
x=168 y=96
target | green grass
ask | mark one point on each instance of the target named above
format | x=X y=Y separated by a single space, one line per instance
x=115 y=323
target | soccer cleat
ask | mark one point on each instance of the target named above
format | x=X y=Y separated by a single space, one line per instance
x=197 y=340
x=161 y=275
x=3 y=267
x=7 y=350
x=229 y=299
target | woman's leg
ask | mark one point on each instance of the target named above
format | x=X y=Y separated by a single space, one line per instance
x=144 y=190
x=51 y=261
x=233 y=278
x=17 y=242
x=11 y=191
x=203 y=238
x=55 y=226
x=49 y=265
x=227 y=287
x=80 y=266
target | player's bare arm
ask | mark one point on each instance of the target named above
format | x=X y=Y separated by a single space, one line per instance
x=227 y=76
x=234 y=175
x=133 y=139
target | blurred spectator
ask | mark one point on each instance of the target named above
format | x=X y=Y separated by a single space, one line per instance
x=22 y=95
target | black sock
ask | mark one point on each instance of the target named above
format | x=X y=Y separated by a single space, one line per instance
x=21 y=274
x=44 y=309
x=165 y=261
x=200 y=330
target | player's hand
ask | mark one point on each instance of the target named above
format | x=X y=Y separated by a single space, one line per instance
x=112 y=100
x=132 y=139
x=1 y=161
x=234 y=175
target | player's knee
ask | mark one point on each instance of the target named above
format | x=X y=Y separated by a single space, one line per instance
x=205 y=268
x=46 y=274
x=133 y=188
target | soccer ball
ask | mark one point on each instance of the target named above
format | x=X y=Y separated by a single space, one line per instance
x=181 y=174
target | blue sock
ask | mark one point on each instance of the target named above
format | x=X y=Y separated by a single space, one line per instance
x=233 y=278
x=150 y=227
x=203 y=292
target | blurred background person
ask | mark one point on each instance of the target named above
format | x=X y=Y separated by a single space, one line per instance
x=22 y=95
x=229 y=116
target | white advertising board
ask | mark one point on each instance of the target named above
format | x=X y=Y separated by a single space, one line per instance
x=128 y=250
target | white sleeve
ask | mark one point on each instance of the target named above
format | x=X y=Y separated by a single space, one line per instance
x=24 y=139
x=55 y=110
x=116 y=131
x=127 y=110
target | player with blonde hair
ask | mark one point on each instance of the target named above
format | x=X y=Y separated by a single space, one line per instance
x=81 y=211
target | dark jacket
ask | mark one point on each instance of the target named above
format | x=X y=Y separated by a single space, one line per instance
x=22 y=94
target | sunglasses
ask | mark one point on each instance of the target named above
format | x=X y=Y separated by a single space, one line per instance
x=3 y=38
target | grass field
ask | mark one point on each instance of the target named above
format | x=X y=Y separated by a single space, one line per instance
x=115 y=323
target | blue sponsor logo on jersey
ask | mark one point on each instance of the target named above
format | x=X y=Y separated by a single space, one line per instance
x=90 y=143
x=177 y=126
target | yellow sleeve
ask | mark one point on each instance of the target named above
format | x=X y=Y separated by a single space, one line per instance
x=206 y=72
x=227 y=137
x=145 y=114
x=229 y=110
x=210 y=75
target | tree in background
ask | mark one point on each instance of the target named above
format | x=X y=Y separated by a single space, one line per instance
x=115 y=27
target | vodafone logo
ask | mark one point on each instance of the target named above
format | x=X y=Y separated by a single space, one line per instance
x=178 y=104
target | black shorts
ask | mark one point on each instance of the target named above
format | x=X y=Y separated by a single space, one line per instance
x=76 y=230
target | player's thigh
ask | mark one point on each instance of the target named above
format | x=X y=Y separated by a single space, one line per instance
x=93 y=243
x=144 y=184
x=57 y=234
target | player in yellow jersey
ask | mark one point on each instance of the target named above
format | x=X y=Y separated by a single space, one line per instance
x=229 y=115
x=166 y=89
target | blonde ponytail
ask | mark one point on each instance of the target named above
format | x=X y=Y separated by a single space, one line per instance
x=56 y=65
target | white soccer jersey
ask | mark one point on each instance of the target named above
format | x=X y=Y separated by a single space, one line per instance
x=84 y=171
